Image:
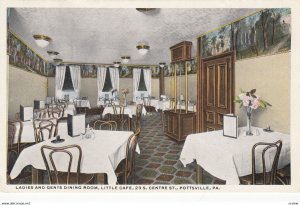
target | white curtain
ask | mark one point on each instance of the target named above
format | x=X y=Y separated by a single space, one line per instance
x=101 y=74
x=115 y=79
x=59 y=80
x=136 y=81
x=76 y=78
x=147 y=77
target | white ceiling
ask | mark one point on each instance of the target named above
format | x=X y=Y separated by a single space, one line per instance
x=102 y=35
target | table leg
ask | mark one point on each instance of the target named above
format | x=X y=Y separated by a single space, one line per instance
x=199 y=174
x=36 y=178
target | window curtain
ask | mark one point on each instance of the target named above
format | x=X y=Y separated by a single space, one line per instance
x=147 y=77
x=76 y=78
x=115 y=78
x=59 y=80
x=101 y=74
x=136 y=81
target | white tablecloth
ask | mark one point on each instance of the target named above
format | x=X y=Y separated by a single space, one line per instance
x=228 y=158
x=165 y=105
x=82 y=103
x=100 y=154
x=28 y=131
x=69 y=110
x=129 y=110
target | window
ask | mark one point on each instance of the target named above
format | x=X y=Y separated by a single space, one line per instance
x=68 y=84
x=142 y=85
x=107 y=84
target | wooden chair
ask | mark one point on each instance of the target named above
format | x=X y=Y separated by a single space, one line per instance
x=126 y=169
x=66 y=176
x=147 y=105
x=14 y=149
x=265 y=177
x=284 y=175
x=57 y=112
x=120 y=117
x=137 y=119
x=41 y=113
x=45 y=127
x=105 y=125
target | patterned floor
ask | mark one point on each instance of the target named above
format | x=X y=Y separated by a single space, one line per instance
x=159 y=162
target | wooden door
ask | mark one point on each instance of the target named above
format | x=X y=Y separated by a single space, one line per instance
x=218 y=90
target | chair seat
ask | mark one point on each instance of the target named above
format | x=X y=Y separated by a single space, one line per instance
x=284 y=175
x=84 y=178
x=247 y=180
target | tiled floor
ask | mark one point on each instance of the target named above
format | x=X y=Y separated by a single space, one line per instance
x=158 y=162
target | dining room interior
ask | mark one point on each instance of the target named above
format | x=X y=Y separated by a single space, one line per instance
x=149 y=96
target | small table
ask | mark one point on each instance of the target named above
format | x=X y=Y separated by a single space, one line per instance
x=228 y=158
x=82 y=103
x=129 y=110
x=100 y=154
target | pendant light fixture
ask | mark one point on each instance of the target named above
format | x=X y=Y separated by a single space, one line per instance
x=162 y=64
x=125 y=59
x=143 y=47
x=57 y=61
x=42 y=40
x=53 y=54
x=117 y=64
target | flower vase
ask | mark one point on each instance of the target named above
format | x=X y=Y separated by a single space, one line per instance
x=249 y=118
x=125 y=100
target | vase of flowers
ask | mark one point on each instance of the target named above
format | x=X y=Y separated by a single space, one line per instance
x=124 y=92
x=251 y=102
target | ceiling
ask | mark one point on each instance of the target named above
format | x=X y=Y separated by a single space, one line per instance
x=102 y=35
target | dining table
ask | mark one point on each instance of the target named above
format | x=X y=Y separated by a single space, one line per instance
x=230 y=158
x=101 y=154
x=82 y=103
x=129 y=110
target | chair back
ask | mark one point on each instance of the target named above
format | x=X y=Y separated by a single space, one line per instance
x=147 y=101
x=267 y=148
x=114 y=108
x=171 y=105
x=57 y=112
x=130 y=154
x=56 y=176
x=12 y=133
x=41 y=113
x=105 y=125
x=44 y=129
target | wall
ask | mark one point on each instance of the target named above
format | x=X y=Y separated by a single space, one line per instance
x=24 y=87
x=270 y=75
x=192 y=86
x=89 y=88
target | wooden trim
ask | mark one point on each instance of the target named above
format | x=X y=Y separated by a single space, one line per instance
x=161 y=82
x=199 y=117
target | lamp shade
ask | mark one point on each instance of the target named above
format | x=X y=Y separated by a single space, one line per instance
x=57 y=61
x=125 y=59
x=162 y=65
x=143 y=47
x=117 y=64
x=42 y=40
x=52 y=54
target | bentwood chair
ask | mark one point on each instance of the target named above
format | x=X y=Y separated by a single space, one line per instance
x=137 y=119
x=45 y=129
x=147 y=105
x=66 y=176
x=264 y=177
x=126 y=169
x=14 y=149
x=57 y=112
x=284 y=175
x=121 y=118
x=41 y=113
x=105 y=125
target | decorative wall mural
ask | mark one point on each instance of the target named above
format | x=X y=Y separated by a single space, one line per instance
x=191 y=66
x=263 y=33
x=20 y=55
x=155 y=71
x=217 y=42
x=125 y=72
x=88 y=71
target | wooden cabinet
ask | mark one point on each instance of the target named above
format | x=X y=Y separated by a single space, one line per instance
x=180 y=124
x=181 y=51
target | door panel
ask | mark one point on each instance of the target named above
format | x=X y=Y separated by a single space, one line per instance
x=218 y=90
